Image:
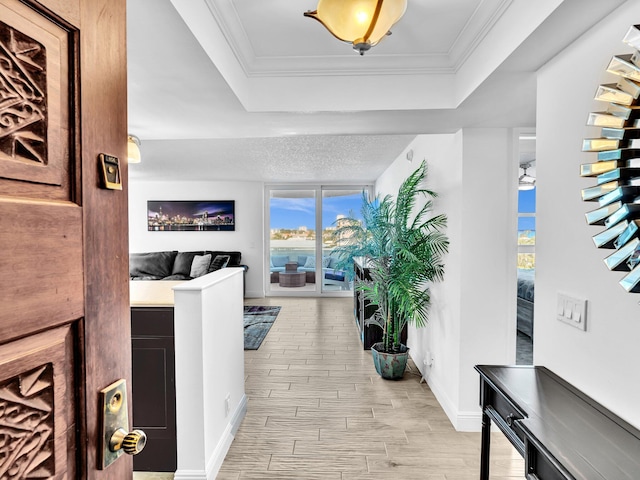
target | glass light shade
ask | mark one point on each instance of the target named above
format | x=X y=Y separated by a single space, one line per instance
x=360 y=22
x=133 y=149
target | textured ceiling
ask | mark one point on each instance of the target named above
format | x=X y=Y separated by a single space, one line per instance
x=344 y=159
x=243 y=89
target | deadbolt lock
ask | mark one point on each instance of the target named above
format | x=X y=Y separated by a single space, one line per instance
x=116 y=438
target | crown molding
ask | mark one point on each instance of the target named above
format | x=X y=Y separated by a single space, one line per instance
x=228 y=20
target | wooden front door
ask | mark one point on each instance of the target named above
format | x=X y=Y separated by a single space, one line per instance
x=64 y=316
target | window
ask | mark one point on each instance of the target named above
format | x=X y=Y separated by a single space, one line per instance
x=526 y=229
x=301 y=262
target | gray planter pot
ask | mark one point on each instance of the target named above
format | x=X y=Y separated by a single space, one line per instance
x=390 y=366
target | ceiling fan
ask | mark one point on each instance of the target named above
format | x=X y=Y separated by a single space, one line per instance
x=526 y=181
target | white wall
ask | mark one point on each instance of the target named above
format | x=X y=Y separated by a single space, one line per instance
x=472 y=319
x=603 y=361
x=489 y=259
x=440 y=338
x=473 y=313
x=247 y=237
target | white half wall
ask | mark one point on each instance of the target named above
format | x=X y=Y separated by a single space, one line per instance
x=210 y=397
x=603 y=361
x=247 y=237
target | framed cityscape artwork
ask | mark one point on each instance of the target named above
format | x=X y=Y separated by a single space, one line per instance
x=191 y=215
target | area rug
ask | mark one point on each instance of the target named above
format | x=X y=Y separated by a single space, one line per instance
x=257 y=323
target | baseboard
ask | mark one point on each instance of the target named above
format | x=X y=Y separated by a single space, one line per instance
x=238 y=415
x=469 y=422
x=215 y=461
x=254 y=295
x=461 y=421
x=190 y=475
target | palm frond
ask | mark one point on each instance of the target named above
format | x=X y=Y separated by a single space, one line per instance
x=404 y=251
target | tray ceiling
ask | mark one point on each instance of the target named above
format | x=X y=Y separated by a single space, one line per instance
x=232 y=70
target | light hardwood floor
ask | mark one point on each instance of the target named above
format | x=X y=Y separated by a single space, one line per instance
x=318 y=411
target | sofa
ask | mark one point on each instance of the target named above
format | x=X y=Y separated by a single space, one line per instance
x=175 y=265
x=307 y=263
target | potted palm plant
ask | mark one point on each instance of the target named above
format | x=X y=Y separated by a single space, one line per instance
x=403 y=251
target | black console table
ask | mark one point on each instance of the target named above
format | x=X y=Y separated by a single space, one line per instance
x=561 y=432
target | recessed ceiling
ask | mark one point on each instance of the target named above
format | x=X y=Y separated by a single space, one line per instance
x=236 y=86
x=274 y=59
x=273 y=38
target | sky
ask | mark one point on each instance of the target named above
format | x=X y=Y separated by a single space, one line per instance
x=527 y=204
x=291 y=213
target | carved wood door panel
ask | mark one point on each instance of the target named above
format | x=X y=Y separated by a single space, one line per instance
x=64 y=321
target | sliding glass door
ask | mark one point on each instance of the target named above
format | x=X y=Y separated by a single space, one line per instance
x=337 y=204
x=301 y=262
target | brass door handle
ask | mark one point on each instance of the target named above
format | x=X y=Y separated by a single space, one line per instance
x=116 y=439
x=131 y=443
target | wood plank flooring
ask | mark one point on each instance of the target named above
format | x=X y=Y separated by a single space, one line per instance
x=317 y=410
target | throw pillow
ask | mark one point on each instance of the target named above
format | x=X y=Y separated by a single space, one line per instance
x=219 y=262
x=234 y=257
x=310 y=263
x=200 y=265
x=326 y=261
x=183 y=262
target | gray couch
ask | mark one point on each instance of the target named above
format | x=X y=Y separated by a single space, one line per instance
x=174 y=265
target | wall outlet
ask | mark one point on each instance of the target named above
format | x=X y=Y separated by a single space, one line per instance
x=227 y=405
x=572 y=311
x=428 y=359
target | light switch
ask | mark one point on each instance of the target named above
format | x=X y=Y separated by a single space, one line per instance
x=572 y=311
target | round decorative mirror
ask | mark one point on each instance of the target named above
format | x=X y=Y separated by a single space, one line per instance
x=617 y=169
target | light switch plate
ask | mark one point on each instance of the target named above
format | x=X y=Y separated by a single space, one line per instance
x=572 y=311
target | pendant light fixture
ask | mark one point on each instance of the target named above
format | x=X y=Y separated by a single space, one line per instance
x=362 y=23
x=526 y=181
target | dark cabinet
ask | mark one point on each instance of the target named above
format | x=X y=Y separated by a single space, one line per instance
x=154 y=387
x=364 y=309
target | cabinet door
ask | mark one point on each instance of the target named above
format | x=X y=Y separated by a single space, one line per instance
x=154 y=410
